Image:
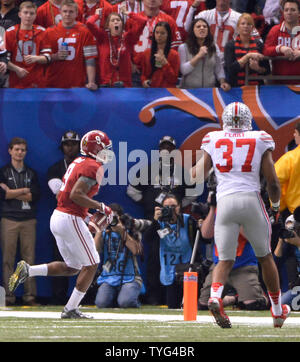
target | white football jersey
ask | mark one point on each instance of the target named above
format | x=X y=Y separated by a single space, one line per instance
x=236 y=158
x=223 y=28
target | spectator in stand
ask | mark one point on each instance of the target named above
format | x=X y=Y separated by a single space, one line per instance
x=179 y=10
x=8 y=14
x=23 y=43
x=160 y=63
x=248 y=6
x=154 y=14
x=87 y=8
x=49 y=14
x=131 y=6
x=18 y=215
x=281 y=42
x=242 y=51
x=74 y=66
x=200 y=64
x=70 y=147
x=3 y=63
x=8 y=17
x=115 y=47
x=222 y=21
x=272 y=11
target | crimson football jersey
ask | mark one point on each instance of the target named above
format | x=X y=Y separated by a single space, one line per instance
x=70 y=72
x=18 y=44
x=179 y=9
x=48 y=14
x=86 y=10
x=81 y=166
x=144 y=41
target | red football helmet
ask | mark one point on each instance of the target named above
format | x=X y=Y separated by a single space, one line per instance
x=97 y=145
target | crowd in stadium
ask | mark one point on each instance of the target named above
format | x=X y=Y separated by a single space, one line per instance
x=148 y=43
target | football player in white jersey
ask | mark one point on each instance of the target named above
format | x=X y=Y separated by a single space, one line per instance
x=238 y=155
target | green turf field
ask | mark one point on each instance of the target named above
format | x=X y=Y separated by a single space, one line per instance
x=147 y=324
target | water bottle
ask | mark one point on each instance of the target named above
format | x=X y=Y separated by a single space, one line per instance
x=64 y=46
x=2 y=297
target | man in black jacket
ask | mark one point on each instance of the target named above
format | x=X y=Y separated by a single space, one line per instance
x=18 y=216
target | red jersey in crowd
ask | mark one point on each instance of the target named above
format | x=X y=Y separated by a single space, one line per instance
x=115 y=51
x=48 y=14
x=70 y=72
x=179 y=10
x=144 y=41
x=165 y=77
x=80 y=167
x=277 y=37
x=18 y=44
x=87 y=10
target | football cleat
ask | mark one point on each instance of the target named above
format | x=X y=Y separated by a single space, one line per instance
x=74 y=314
x=215 y=306
x=279 y=320
x=19 y=276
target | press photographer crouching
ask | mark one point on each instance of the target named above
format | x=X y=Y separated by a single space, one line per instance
x=287 y=258
x=177 y=234
x=120 y=282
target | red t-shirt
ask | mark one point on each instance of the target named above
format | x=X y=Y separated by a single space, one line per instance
x=116 y=51
x=70 y=72
x=25 y=42
x=81 y=166
x=86 y=11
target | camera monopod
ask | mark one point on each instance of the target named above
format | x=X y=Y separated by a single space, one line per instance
x=190 y=287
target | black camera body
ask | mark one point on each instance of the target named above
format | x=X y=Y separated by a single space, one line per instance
x=167 y=213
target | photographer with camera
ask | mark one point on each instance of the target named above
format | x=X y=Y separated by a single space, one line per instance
x=176 y=234
x=120 y=282
x=287 y=258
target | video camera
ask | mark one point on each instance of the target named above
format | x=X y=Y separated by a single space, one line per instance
x=292 y=225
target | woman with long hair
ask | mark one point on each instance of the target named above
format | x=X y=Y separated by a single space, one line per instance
x=115 y=46
x=160 y=63
x=242 y=51
x=200 y=64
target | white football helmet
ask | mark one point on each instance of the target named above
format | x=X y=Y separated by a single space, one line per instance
x=237 y=116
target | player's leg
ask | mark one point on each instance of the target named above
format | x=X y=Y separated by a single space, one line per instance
x=258 y=231
x=226 y=236
x=82 y=254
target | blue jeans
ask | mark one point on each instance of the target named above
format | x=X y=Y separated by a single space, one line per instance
x=124 y=297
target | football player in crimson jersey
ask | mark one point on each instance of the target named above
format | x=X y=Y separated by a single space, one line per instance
x=23 y=43
x=70 y=67
x=75 y=242
x=238 y=155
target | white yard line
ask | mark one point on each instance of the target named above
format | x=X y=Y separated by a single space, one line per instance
x=149 y=317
